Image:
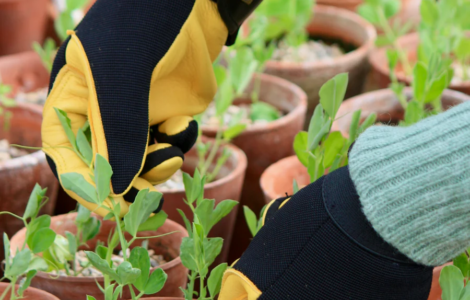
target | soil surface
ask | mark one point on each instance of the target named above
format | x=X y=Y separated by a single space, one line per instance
x=311 y=51
x=239 y=114
x=86 y=270
x=7 y=152
x=36 y=97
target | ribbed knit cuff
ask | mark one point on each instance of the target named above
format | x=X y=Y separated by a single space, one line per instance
x=414 y=184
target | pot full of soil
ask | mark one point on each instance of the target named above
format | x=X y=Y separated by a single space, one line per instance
x=227 y=185
x=21 y=23
x=20 y=170
x=340 y=41
x=409 y=11
x=278 y=179
x=409 y=43
x=27 y=76
x=30 y=293
x=164 y=253
x=263 y=142
x=387 y=107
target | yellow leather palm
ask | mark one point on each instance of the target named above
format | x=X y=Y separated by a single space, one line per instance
x=181 y=85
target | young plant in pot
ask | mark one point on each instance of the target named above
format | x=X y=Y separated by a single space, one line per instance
x=23 y=263
x=313 y=44
x=443 y=31
x=319 y=150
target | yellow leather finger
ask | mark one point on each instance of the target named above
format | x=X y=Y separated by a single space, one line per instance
x=236 y=286
x=162 y=161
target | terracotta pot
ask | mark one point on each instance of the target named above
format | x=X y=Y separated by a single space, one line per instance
x=380 y=70
x=386 y=105
x=76 y=288
x=18 y=176
x=436 y=290
x=264 y=144
x=23 y=71
x=228 y=185
x=21 y=23
x=30 y=294
x=278 y=179
x=409 y=8
x=331 y=23
x=162 y=298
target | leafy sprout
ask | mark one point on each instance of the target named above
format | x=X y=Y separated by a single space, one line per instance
x=6 y=102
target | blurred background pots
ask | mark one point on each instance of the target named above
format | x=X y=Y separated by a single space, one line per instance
x=22 y=22
x=334 y=25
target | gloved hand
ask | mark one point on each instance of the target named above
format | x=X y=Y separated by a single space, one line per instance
x=137 y=71
x=372 y=230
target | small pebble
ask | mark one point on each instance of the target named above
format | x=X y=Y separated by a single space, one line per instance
x=36 y=97
x=309 y=52
x=7 y=152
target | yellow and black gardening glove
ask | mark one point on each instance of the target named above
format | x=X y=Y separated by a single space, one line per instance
x=137 y=71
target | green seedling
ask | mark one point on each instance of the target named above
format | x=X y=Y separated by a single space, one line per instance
x=254 y=223
x=319 y=149
x=46 y=53
x=454 y=279
x=65 y=20
x=6 y=102
x=198 y=251
x=134 y=272
x=380 y=13
x=22 y=265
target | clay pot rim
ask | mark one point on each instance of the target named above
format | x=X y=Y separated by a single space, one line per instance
x=241 y=162
x=361 y=51
x=264 y=177
x=174 y=262
x=379 y=54
x=293 y=114
x=31 y=159
x=32 y=289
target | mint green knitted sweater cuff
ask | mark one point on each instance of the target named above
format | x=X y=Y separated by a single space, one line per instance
x=414 y=184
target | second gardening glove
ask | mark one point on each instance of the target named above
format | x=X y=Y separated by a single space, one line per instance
x=373 y=230
x=137 y=71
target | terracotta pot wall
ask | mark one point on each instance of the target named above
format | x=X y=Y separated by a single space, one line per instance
x=380 y=70
x=227 y=186
x=263 y=145
x=18 y=176
x=339 y=24
x=21 y=23
x=76 y=288
x=29 y=294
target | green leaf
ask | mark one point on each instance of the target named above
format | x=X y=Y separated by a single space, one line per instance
x=38 y=264
x=233 y=131
x=429 y=12
x=369 y=121
x=90 y=229
x=117 y=292
x=224 y=98
x=220 y=74
x=156 y=282
x=300 y=147
x=32 y=208
x=382 y=41
x=295 y=187
x=315 y=128
x=413 y=113
x=320 y=135
x=187 y=253
x=145 y=203
x=84 y=146
x=20 y=263
x=212 y=248
x=332 y=94
x=420 y=75
x=127 y=274
x=241 y=67
x=264 y=111
x=75 y=4
x=140 y=259
x=108 y=292
x=437 y=88
x=83 y=214
x=465 y=294
x=251 y=220
x=451 y=282
x=463 y=264
x=27 y=281
x=72 y=242
x=76 y=183
x=42 y=240
x=186 y=222
x=221 y=210
x=102 y=251
x=90 y=298
x=66 y=125
x=354 y=127
x=63 y=23
x=154 y=222
x=43 y=221
x=333 y=146
x=103 y=173
x=101 y=265
x=369 y=13
x=214 y=282
x=6 y=247
x=391 y=8
x=392 y=57
x=192 y=186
